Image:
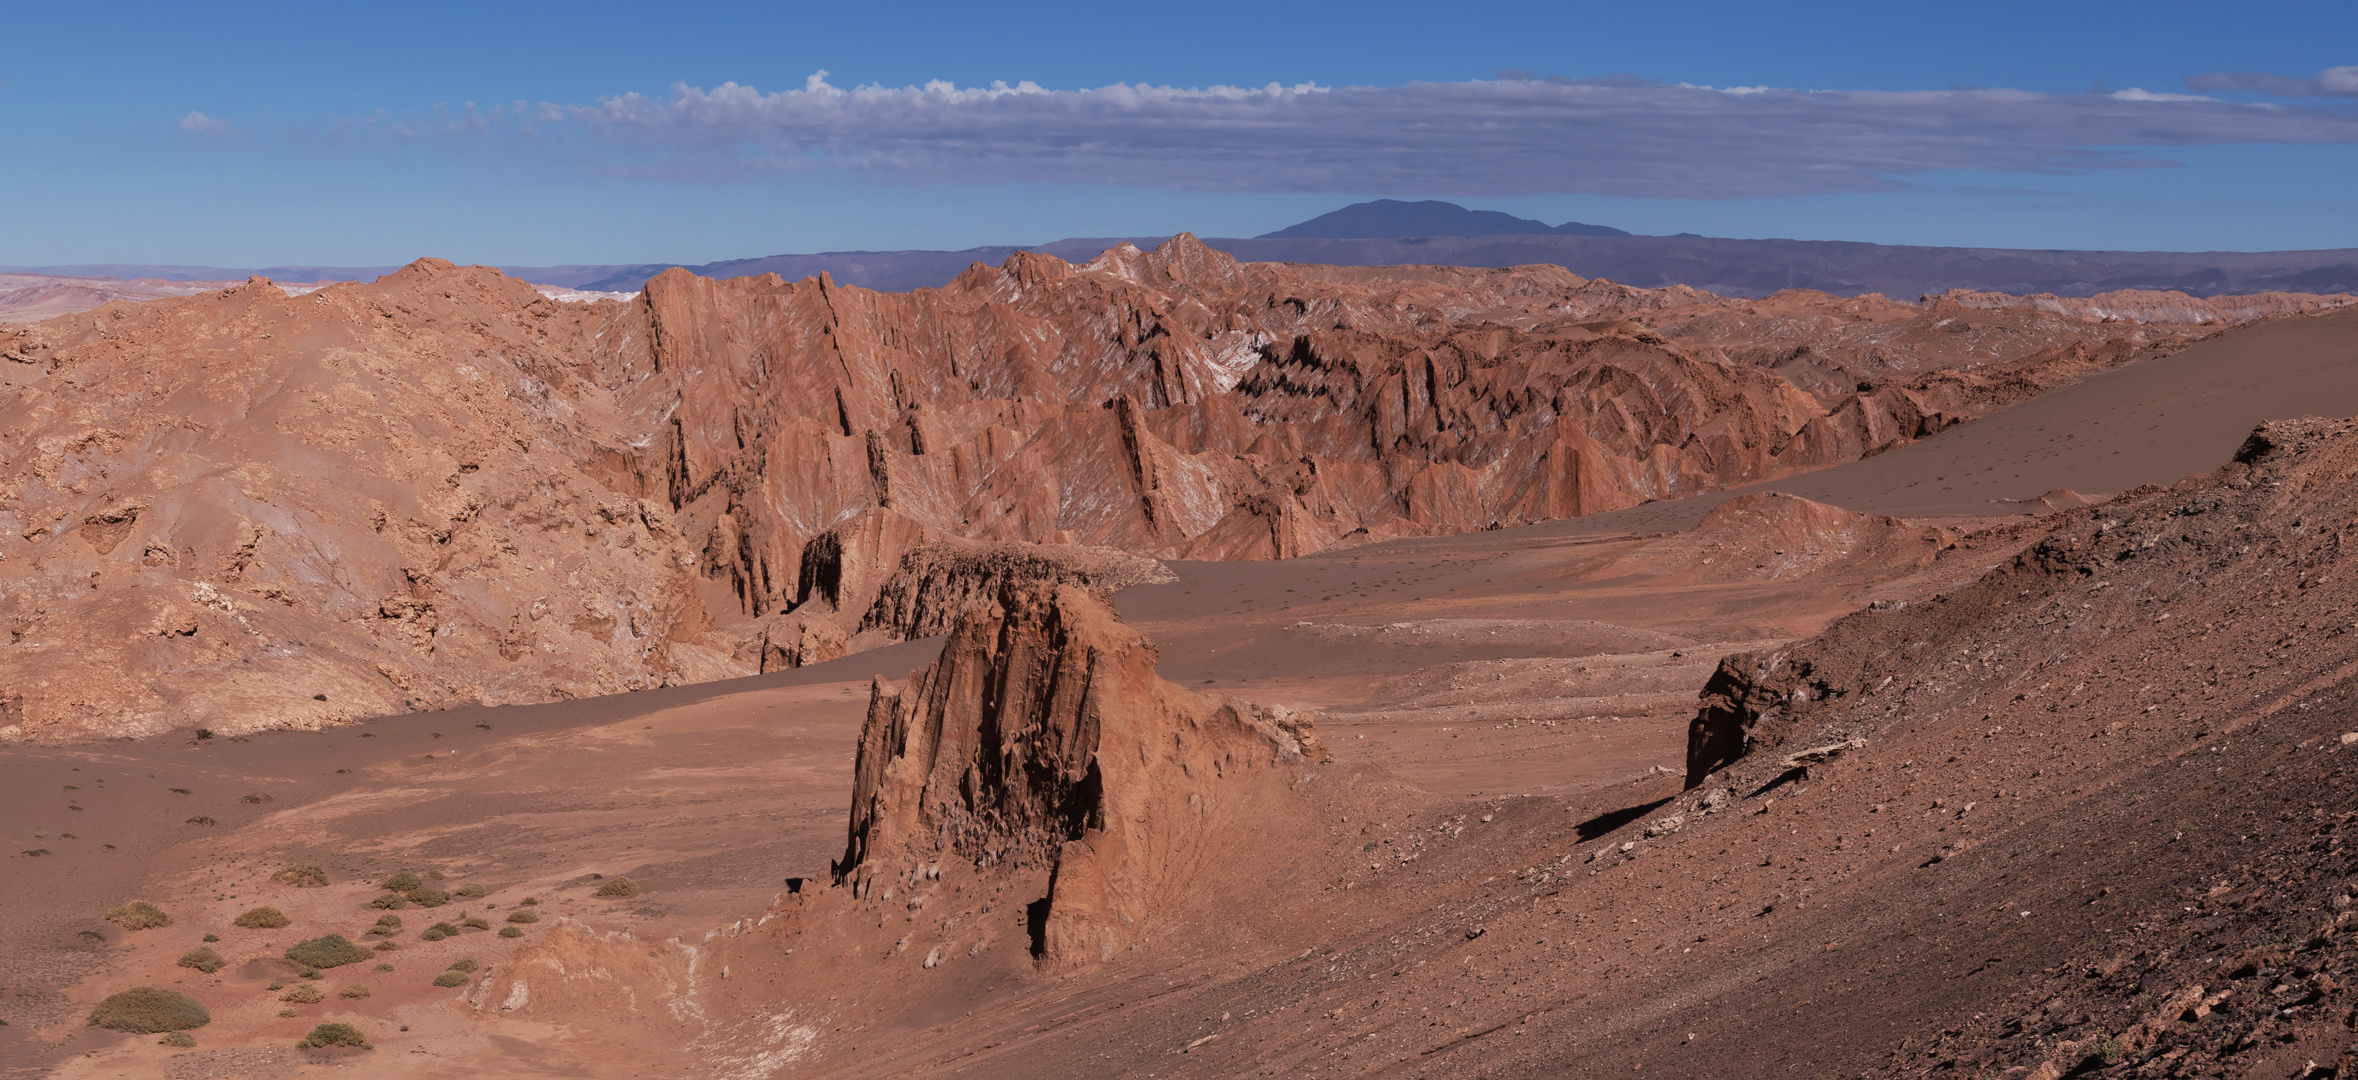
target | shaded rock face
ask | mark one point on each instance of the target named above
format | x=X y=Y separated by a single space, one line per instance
x=248 y=510
x=1044 y=738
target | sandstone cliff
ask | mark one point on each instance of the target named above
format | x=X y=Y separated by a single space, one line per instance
x=1043 y=738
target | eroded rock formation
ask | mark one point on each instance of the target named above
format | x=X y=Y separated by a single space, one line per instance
x=246 y=509
x=1044 y=738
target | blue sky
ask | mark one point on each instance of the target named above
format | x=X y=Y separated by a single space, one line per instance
x=341 y=134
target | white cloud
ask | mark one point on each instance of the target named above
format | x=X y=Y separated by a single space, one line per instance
x=2332 y=82
x=206 y=125
x=1515 y=136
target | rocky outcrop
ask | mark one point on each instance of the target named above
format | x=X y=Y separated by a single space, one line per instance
x=1044 y=738
x=939 y=582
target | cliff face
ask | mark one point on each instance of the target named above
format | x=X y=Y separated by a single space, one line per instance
x=1043 y=738
x=243 y=509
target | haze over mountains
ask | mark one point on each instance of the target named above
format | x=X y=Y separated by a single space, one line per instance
x=1390 y=232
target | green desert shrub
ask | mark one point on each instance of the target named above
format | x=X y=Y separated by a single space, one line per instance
x=402 y=881
x=355 y=991
x=474 y=922
x=334 y=1035
x=386 y=946
x=620 y=886
x=389 y=902
x=139 y=915
x=180 y=1039
x=262 y=918
x=276 y=985
x=384 y=967
x=469 y=890
x=529 y=901
x=203 y=958
x=302 y=876
x=464 y=964
x=523 y=916
x=145 y=1010
x=451 y=978
x=425 y=897
x=211 y=938
x=327 y=952
x=387 y=925
x=511 y=931
x=302 y=994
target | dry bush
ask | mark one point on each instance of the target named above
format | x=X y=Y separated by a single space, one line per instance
x=425 y=897
x=263 y=918
x=451 y=978
x=211 y=938
x=474 y=922
x=523 y=916
x=302 y=876
x=464 y=964
x=139 y=915
x=334 y=1035
x=355 y=991
x=286 y=1012
x=620 y=886
x=302 y=994
x=511 y=931
x=145 y=1010
x=203 y=958
x=389 y=902
x=180 y=1039
x=384 y=967
x=387 y=925
x=440 y=930
x=386 y=946
x=469 y=890
x=327 y=952
x=402 y=881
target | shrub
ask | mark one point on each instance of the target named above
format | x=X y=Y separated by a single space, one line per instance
x=139 y=915
x=469 y=890
x=464 y=964
x=434 y=933
x=334 y=1035
x=286 y=1012
x=434 y=875
x=302 y=876
x=211 y=938
x=180 y=1039
x=203 y=958
x=529 y=901
x=402 y=881
x=523 y=916
x=389 y=902
x=145 y=1010
x=387 y=925
x=511 y=931
x=620 y=886
x=327 y=952
x=355 y=991
x=302 y=994
x=451 y=978
x=386 y=946
x=276 y=985
x=384 y=967
x=263 y=918
x=425 y=897
x=311 y=973
x=474 y=922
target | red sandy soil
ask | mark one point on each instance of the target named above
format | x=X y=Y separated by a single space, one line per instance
x=1505 y=876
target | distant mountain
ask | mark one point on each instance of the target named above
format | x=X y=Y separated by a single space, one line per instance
x=1727 y=267
x=1388 y=218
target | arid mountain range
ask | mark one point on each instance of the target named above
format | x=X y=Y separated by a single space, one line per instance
x=1171 y=665
x=248 y=509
